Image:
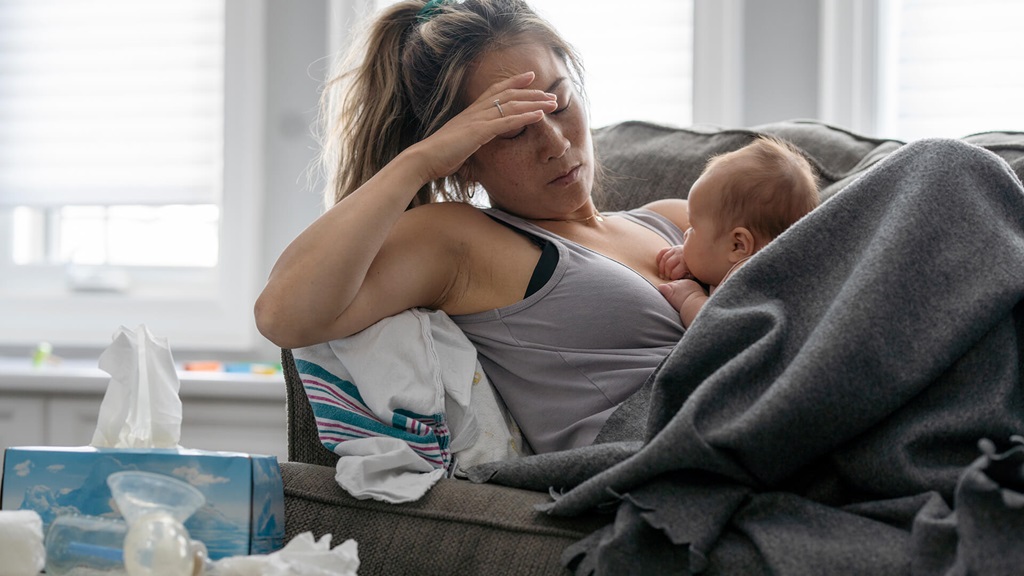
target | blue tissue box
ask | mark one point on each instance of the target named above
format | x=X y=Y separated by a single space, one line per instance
x=244 y=510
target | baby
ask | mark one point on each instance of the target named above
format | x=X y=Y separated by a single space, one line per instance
x=741 y=202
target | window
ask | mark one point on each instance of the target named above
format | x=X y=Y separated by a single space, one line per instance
x=127 y=187
x=639 y=61
x=952 y=68
x=111 y=130
x=911 y=69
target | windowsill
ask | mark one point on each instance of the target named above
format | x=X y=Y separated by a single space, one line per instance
x=80 y=377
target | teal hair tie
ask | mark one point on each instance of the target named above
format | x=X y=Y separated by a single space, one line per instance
x=429 y=10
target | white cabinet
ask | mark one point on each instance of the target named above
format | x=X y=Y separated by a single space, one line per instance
x=71 y=421
x=60 y=406
x=21 y=421
x=225 y=425
x=234 y=425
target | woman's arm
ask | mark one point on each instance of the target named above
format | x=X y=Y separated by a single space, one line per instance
x=367 y=257
x=320 y=274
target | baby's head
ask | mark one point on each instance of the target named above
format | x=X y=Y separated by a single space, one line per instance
x=742 y=201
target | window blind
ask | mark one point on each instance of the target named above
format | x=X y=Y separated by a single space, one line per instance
x=111 y=102
x=956 y=67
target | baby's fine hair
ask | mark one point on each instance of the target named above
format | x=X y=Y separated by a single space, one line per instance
x=405 y=80
x=775 y=189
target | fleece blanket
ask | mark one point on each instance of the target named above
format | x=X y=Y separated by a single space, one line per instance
x=849 y=402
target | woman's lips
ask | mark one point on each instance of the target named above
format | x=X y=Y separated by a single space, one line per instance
x=567 y=178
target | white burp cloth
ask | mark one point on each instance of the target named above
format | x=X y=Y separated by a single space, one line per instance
x=21 y=543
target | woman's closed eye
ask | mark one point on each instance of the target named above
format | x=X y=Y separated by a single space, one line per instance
x=513 y=135
x=568 y=103
x=520 y=132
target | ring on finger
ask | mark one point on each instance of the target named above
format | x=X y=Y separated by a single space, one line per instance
x=497 y=104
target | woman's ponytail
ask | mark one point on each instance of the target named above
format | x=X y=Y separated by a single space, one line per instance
x=366 y=116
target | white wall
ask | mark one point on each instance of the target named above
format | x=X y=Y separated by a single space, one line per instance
x=297 y=48
x=780 y=61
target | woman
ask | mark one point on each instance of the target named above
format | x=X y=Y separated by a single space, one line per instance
x=453 y=97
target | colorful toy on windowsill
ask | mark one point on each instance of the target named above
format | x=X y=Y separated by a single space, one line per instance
x=232 y=367
x=43 y=356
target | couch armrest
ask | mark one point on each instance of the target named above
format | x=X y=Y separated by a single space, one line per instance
x=303 y=439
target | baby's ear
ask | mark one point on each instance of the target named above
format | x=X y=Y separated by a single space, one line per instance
x=743 y=244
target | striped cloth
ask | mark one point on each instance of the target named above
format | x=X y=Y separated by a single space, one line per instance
x=407 y=377
x=342 y=414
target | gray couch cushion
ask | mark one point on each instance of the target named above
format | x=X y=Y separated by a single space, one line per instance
x=1008 y=145
x=457 y=528
x=643 y=162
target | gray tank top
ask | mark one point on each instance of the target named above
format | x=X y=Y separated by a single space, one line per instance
x=563 y=358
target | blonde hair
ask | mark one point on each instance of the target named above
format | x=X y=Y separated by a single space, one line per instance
x=404 y=81
x=776 y=187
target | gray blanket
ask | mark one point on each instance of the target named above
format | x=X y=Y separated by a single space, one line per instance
x=849 y=402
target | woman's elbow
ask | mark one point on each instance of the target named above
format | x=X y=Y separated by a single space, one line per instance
x=273 y=323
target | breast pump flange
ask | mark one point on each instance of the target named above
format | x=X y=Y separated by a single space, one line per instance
x=155 y=507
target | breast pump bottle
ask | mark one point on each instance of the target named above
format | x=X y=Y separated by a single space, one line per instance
x=151 y=540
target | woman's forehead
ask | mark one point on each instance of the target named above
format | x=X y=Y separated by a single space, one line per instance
x=502 y=63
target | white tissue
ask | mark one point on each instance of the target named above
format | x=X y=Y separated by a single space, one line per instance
x=141 y=408
x=385 y=469
x=303 y=556
x=21 y=543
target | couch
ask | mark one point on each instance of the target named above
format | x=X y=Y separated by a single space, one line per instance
x=461 y=527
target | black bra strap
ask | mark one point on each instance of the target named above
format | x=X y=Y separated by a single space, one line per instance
x=544 y=269
x=545 y=265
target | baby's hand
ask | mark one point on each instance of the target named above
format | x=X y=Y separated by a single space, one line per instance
x=671 y=265
x=686 y=296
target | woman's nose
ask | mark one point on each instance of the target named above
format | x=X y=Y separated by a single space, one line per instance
x=556 y=144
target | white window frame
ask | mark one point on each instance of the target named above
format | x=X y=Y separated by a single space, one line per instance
x=850 y=73
x=194 y=308
x=718 y=62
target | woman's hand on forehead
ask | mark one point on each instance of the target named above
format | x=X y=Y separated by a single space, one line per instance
x=506 y=106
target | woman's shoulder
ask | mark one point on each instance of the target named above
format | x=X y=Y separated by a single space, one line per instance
x=674 y=209
x=453 y=223
x=444 y=215
x=667 y=207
